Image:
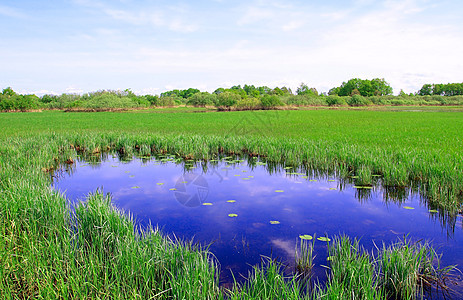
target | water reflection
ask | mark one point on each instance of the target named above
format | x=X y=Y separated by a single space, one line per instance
x=273 y=204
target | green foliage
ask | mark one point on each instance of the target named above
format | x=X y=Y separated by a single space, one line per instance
x=334 y=100
x=248 y=103
x=226 y=100
x=270 y=101
x=202 y=99
x=11 y=101
x=357 y=100
x=449 y=89
x=366 y=88
x=303 y=89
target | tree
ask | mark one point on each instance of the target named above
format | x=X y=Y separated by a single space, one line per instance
x=366 y=88
x=303 y=89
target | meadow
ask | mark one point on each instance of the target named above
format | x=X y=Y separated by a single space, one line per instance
x=95 y=253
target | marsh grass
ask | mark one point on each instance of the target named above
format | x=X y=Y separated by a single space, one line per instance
x=49 y=251
x=407 y=269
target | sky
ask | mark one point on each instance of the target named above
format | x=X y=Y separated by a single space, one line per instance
x=150 y=46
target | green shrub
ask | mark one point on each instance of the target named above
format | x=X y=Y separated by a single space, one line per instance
x=357 y=100
x=248 y=103
x=202 y=99
x=270 y=101
x=335 y=100
x=227 y=100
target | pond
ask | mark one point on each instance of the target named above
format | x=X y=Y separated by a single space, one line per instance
x=247 y=209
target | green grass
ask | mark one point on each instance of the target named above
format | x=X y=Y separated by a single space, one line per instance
x=97 y=253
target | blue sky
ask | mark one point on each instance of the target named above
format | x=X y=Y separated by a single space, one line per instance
x=153 y=46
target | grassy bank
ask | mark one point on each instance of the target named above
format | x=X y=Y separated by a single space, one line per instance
x=47 y=253
x=95 y=252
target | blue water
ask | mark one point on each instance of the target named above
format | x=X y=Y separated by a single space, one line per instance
x=173 y=194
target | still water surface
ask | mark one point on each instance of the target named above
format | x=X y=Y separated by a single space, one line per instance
x=272 y=208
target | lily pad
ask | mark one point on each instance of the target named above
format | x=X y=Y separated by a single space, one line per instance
x=260 y=163
x=408 y=207
x=279 y=191
x=331 y=180
x=250 y=176
x=433 y=211
x=305 y=177
x=160 y=183
x=306 y=237
x=313 y=180
x=274 y=222
x=127 y=172
x=135 y=187
x=172 y=189
x=232 y=215
x=207 y=204
x=131 y=176
x=246 y=178
x=113 y=166
x=333 y=189
x=231 y=201
x=184 y=182
x=366 y=187
x=287 y=168
x=324 y=239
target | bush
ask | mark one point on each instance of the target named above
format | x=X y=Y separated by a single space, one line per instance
x=248 y=103
x=357 y=100
x=227 y=100
x=202 y=99
x=270 y=101
x=335 y=101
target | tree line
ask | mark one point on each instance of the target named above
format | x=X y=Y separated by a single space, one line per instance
x=355 y=92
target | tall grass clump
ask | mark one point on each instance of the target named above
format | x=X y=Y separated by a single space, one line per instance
x=351 y=274
x=408 y=269
x=268 y=282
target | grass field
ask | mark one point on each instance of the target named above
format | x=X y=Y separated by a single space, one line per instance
x=47 y=252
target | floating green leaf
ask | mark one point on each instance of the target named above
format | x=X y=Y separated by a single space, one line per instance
x=408 y=207
x=250 y=176
x=306 y=237
x=160 y=183
x=433 y=211
x=366 y=187
x=113 y=166
x=274 y=222
x=184 y=182
x=131 y=176
x=232 y=215
x=244 y=171
x=246 y=178
x=287 y=168
x=207 y=204
x=279 y=191
x=260 y=163
x=127 y=172
x=313 y=180
x=135 y=187
x=331 y=180
x=237 y=175
x=231 y=201
x=333 y=189
x=305 y=177
x=324 y=239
